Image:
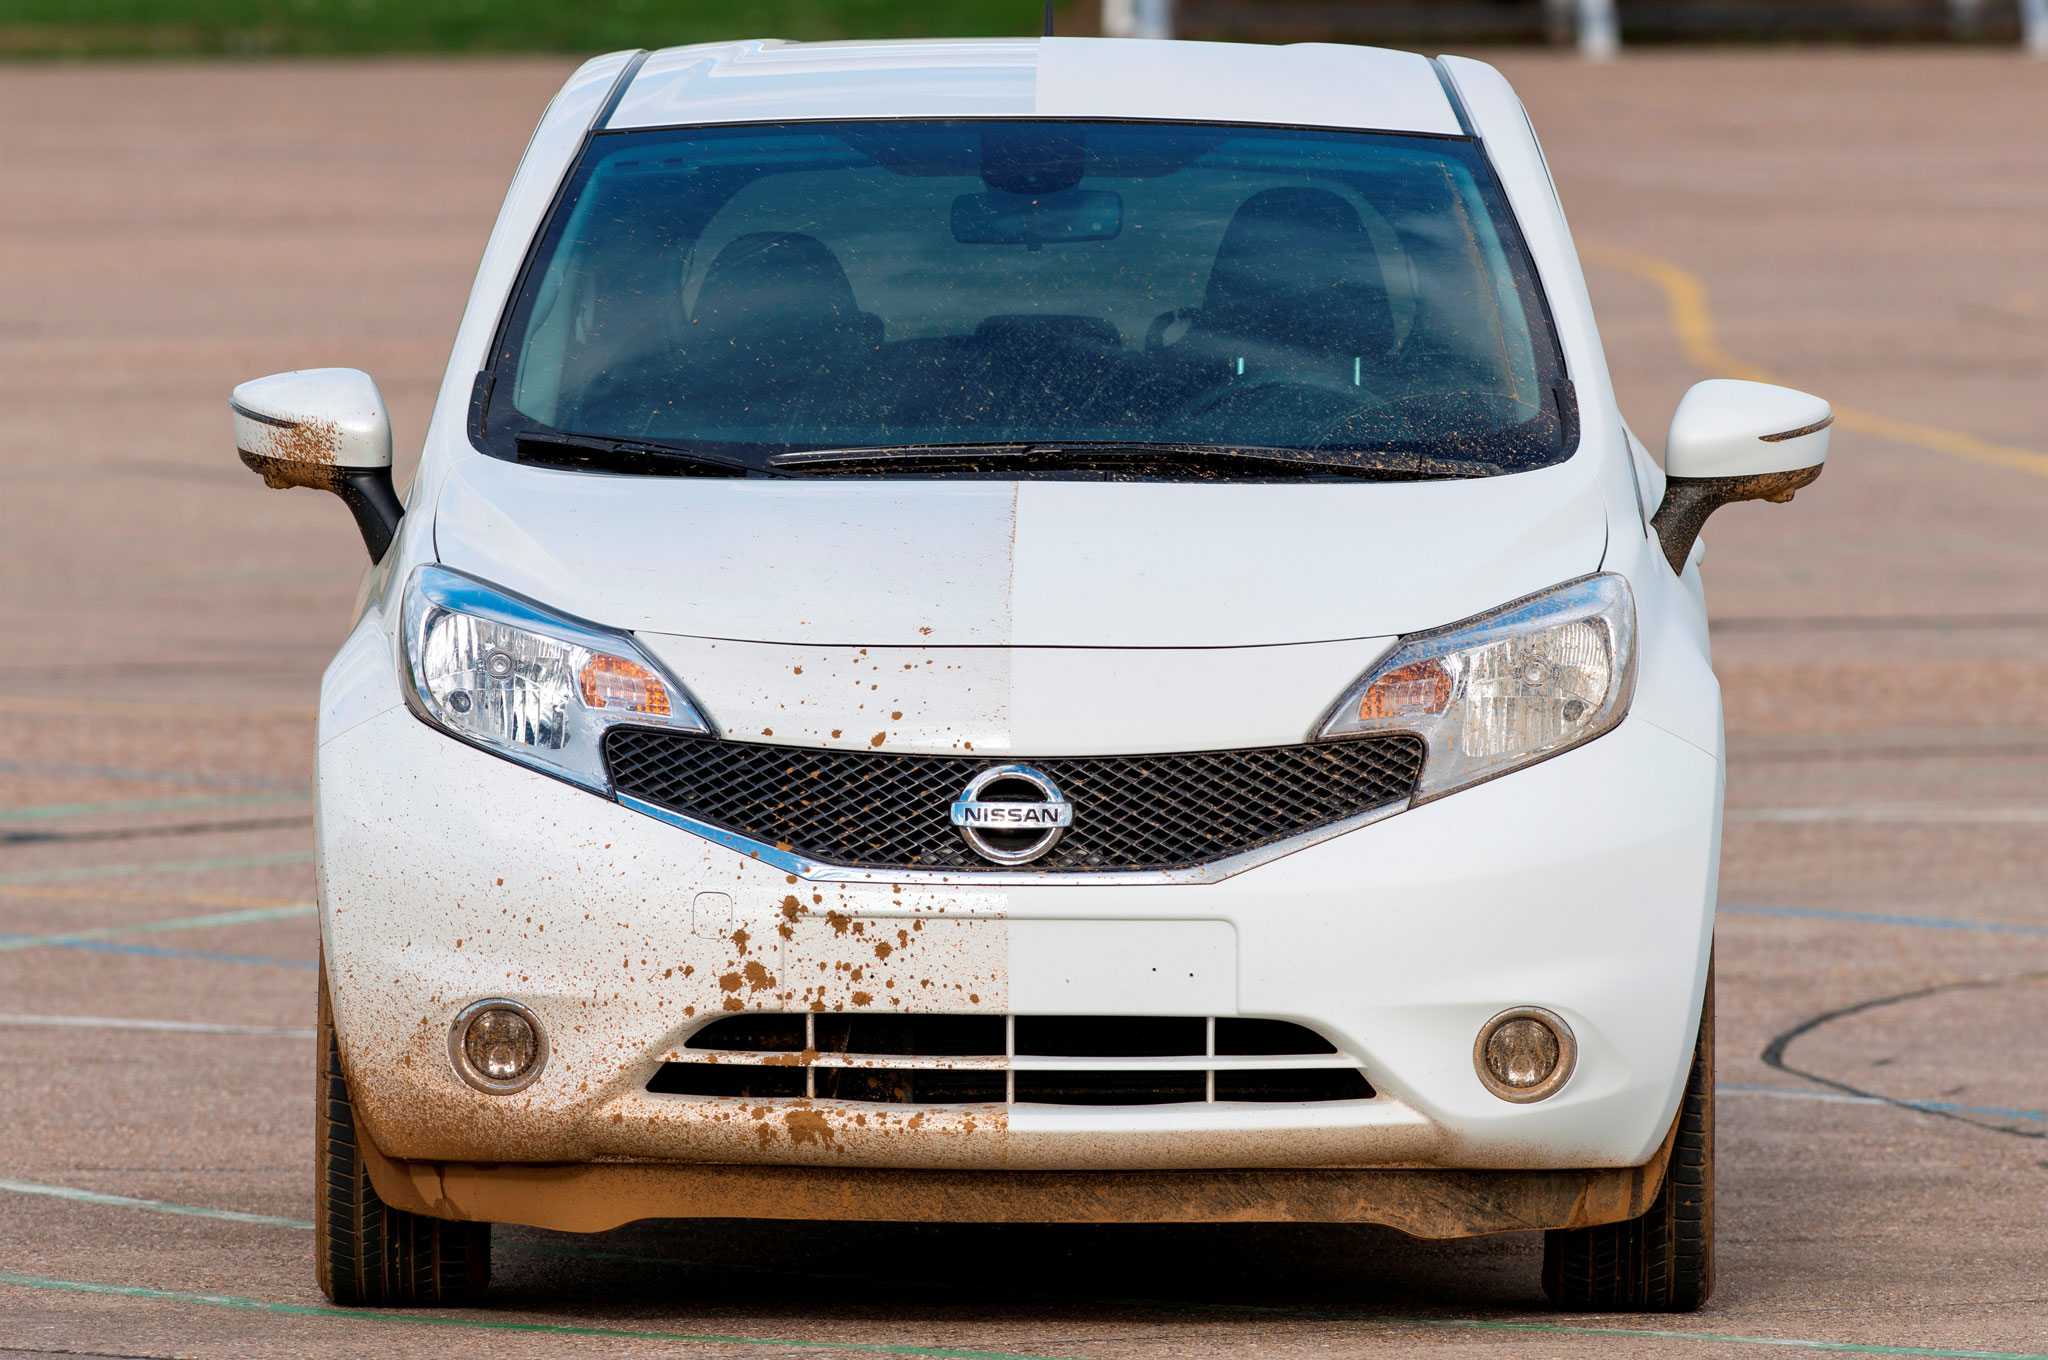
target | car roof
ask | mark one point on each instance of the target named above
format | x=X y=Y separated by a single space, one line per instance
x=1299 y=85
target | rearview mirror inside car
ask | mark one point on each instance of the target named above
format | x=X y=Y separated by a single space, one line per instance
x=1736 y=441
x=998 y=218
x=325 y=428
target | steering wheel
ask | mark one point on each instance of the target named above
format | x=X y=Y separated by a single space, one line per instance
x=1155 y=334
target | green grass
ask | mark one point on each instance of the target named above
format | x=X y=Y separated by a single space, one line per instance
x=90 y=28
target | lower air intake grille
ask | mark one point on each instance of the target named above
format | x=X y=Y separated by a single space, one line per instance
x=1024 y=1059
x=867 y=809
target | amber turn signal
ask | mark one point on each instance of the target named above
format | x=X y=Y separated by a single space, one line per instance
x=1420 y=689
x=614 y=682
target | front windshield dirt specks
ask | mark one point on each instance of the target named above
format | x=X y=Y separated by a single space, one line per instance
x=1357 y=300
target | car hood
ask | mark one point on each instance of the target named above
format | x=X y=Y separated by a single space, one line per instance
x=874 y=562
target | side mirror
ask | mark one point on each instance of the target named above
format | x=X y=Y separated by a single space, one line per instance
x=1736 y=441
x=325 y=428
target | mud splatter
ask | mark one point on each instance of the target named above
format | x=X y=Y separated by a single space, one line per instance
x=304 y=454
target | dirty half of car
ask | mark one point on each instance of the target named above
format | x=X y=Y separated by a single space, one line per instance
x=1041 y=631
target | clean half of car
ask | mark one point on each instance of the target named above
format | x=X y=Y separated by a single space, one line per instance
x=1024 y=631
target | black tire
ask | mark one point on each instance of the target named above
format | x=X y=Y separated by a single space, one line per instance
x=1662 y=1262
x=367 y=1254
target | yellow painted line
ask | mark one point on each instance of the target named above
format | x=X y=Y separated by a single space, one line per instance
x=114 y=708
x=1692 y=321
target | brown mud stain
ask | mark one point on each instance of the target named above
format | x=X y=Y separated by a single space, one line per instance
x=808 y=1126
x=303 y=454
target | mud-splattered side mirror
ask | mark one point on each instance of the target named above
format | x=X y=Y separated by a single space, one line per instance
x=325 y=428
x=1736 y=441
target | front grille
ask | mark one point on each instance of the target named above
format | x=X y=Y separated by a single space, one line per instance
x=866 y=809
x=1024 y=1059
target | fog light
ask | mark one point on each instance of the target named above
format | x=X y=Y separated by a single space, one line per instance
x=1525 y=1054
x=497 y=1046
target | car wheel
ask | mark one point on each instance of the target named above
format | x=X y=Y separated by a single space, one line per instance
x=1662 y=1262
x=367 y=1254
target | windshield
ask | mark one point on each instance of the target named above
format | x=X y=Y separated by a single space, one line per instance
x=1249 y=299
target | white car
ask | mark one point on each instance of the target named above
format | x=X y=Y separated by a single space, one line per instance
x=1053 y=631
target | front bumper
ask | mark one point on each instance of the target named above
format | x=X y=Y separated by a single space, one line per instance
x=600 y=1196
x=1583 y=884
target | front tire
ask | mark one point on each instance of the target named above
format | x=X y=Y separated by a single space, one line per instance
x=1662 y=1262
x=367 y=1254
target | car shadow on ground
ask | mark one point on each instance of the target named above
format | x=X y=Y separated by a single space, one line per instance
x=768 y=1269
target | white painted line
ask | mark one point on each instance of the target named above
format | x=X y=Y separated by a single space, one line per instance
x=1930 y=814
x=208 y=922
x=1878 y=918
x=1741 y=1088
x=157 y=1206
x=66 y=1192
x=176 y=866
x=174 y=1026
x=62 y=810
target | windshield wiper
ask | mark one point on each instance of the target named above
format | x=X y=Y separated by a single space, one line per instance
x=1108 y=455
x=898 y=453
x=552 y=449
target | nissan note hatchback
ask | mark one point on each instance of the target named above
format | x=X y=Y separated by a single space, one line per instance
x=1024 y=631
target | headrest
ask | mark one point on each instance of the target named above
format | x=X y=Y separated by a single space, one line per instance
x=770 y=284
x=1296 y=268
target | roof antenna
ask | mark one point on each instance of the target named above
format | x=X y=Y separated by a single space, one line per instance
x=1048 y=18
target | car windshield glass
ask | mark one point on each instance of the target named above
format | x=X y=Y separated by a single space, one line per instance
x=755 y=291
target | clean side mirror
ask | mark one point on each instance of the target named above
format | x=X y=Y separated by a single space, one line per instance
x=1736 y=441
x=325 y=428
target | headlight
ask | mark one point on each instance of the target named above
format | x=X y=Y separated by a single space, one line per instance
x=1506 y=689
x=500 y=671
